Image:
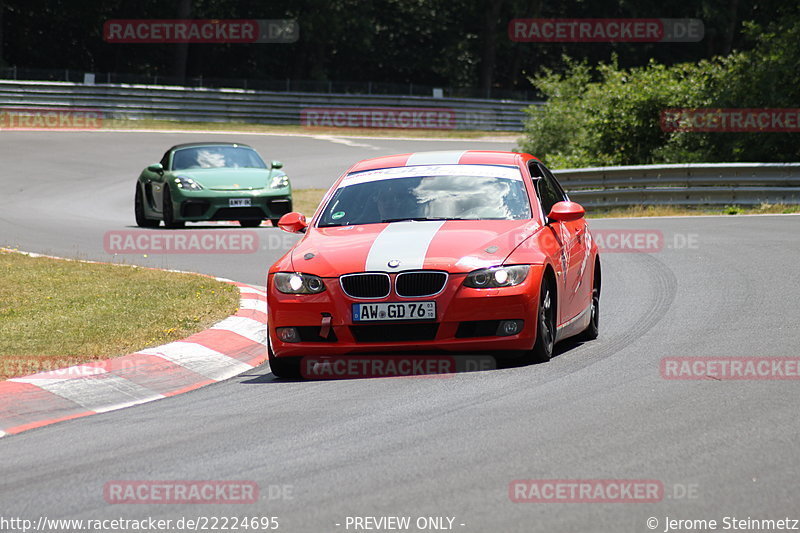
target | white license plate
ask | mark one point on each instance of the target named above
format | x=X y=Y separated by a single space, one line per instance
x=240 y=202
x=394 y=311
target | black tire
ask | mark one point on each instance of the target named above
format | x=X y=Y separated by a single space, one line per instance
x=274 y=222
x=593 y=329
x=249 y=223
x=283 y=367
x=138 y=211
x=168 y=212
x=545 y=324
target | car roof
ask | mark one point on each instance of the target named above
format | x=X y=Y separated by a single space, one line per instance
x=190 y=145
x=449 y=157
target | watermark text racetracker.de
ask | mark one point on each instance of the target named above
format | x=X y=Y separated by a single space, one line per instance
x=764 y=120
x=598 y=491
x=609 y=30
x=218 y=241
x=730 y=368
x=392 y=366
x=43 y=118
x=620 y=240
x=144 y=525
x=200 y=31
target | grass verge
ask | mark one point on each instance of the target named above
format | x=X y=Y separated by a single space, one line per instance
x=150 y=124
x=56 y=313
x=670 y=211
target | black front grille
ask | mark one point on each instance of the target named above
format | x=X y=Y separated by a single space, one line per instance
x=366 y=285
x=311 y=334
x=239 y=213
x=410 y=284
x=395 y=332
x=193 y=208
x=477 y=328
x=279 y=206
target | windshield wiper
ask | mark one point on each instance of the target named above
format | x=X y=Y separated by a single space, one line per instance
x=416 y=219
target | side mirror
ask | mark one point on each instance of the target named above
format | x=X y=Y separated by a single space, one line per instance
x=276 y=164
x=293 y=222
x=566 y=212
x=156 y=167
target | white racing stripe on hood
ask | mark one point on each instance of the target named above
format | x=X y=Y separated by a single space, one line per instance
x=406 y=242
x=451 y=157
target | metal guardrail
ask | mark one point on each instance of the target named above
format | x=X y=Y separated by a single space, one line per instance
x=224 y=105
x=744 y=184
x=747 y=184
x=275 y=85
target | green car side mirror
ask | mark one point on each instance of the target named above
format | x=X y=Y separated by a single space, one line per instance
x=276 y=164
x=156 y=167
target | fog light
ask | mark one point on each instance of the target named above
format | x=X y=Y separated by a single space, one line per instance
x=509 y=327
x=289 y=334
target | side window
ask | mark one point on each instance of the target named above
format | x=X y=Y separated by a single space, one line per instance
x=547 y=188
x=561 y=194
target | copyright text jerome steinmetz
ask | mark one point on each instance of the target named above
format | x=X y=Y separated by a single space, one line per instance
x=669 y=524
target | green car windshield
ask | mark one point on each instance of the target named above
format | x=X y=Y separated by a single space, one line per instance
x=198 y=157
x=450 y=197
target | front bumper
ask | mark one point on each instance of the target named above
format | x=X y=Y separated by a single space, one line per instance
x=466 y=320
x=203 y=205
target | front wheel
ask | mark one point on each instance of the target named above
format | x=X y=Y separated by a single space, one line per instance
x=283 y=367
x=593 y=329
x=545 y=324
x=169 y=213
x=138 y=211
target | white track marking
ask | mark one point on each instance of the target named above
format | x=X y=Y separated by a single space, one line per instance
x=340 y=140
x=101 y=393
x=252 y=290
x=255 y=304
x=199 y=359
x=246 y=327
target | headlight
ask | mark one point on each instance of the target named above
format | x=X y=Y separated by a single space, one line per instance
x=501 y=276
x=187 y=183
x=297 y=283
x=279 y=182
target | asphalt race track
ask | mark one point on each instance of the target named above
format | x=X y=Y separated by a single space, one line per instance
x=445 y=446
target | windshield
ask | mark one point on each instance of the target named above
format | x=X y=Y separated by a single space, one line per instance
x=448 y=197
x=216 y=157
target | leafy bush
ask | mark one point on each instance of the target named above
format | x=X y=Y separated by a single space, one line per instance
x=611 y=116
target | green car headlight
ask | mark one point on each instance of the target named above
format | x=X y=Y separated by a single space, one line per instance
x=187 y=183
x=298 y=283
x=279 y=182
x=494 y=277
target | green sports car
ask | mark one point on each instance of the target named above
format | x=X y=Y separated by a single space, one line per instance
x=211 y=181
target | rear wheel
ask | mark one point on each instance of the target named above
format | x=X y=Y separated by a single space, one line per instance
x=169 y=213
x=249 y=223
x=138 y=211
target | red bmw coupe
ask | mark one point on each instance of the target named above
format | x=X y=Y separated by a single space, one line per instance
x=448 y=252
